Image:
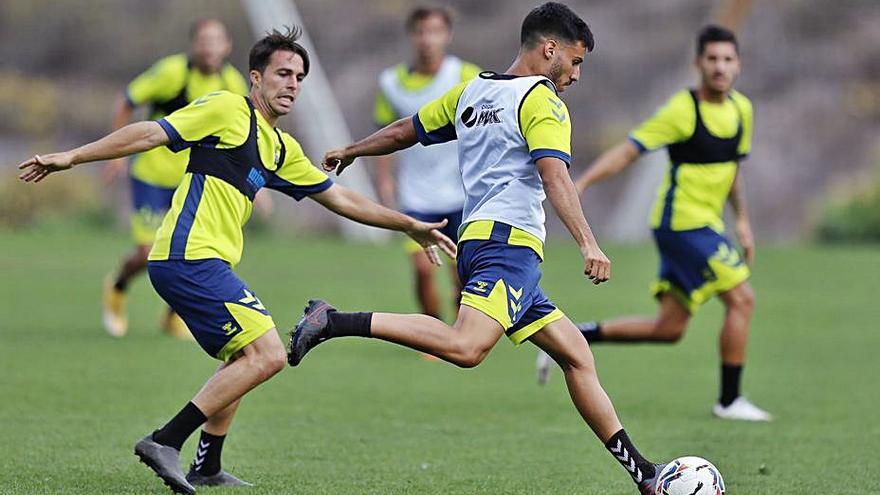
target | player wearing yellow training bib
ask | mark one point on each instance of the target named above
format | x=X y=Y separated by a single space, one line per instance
x=235 y=150
x=706 y=131
x=426 y=183
x=514 y=149
x=170 y=84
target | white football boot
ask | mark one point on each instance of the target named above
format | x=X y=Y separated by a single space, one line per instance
x=742 y=410
x=544 y=364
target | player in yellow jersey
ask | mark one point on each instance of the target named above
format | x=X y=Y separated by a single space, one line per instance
x=514 y=148
x=170 y=84
x=428 y=181
x=235 y=150
x=707 y=132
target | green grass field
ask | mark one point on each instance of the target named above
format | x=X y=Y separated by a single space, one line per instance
x=369 y=417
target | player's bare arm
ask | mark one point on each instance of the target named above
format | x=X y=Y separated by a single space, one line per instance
x=131 y=139
x=564 y=198
x=609 y=163
x=393 y=137
x=737 y=201
x=359 y=208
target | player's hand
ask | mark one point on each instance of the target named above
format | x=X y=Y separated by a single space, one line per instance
x=336 y=160
x=597 y=266
x=746 y=239
x=113 y=169
x=430 y=238
x=38 y=167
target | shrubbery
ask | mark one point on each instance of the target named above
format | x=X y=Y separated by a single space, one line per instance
x=854 y=219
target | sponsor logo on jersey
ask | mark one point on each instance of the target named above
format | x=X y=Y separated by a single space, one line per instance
x=487 y=114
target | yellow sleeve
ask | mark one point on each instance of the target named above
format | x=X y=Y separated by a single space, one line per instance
x=545 y=124
x=159 y=83
x=672 y=123
x=383 y=113
x=297 y=177
x=235 y=82
x=220 y=119
x=435 y=122
x=469 y=71
x=747 y=113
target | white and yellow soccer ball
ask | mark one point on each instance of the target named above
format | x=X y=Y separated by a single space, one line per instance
x=690 y=475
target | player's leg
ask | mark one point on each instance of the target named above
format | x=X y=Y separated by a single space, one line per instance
x=426 y=288
x=739 y=303
x=562 y=341
x=231 y=324
x=667 y=326
x=115 y=316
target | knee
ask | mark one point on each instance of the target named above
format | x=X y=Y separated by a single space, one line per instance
x=742 y=300
x=424 y=273
x=470 y=356
x=270 y=362
x=668 y=332
x=580 y=363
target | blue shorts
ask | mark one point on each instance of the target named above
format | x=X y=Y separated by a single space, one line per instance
x=222 y=313
x=450 y=230
x=697 y=264
x=501 y=280
x=150 y=205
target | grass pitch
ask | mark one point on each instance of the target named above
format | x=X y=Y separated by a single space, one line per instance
x=369 y=417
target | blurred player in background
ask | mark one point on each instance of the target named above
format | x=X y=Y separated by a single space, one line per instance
x=514 y=149
x=428 y=185
x=707 y=132
x=170 y=84
x=235 y=151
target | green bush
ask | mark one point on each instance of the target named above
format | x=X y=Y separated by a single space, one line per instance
x=75 y=202
x=854 y=219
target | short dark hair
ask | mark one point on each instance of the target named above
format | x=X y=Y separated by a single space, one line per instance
x=198 y=24
x=712 y=34
x=419 y=14
x=274 y=41
x=554 y=19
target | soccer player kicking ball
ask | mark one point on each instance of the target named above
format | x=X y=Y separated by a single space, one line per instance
x=235 y=151
x=707 y=131
x=513 y=136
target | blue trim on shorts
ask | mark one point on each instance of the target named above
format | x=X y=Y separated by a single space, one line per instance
x=185 y=219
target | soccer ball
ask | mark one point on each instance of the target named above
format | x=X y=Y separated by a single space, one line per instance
x=690 y=476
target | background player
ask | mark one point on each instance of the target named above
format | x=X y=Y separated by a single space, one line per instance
x=235 y=150
x=170 y=84
x=428 y=185
x=707 y=131
x=514 y=135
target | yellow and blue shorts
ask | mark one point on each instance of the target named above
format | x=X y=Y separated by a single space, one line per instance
x=222 y=313
x=501 y=280
x=150 y=205
x=697 y=264
x=450 y=230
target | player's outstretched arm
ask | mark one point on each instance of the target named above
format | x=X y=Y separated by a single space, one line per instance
x=564 y=198
x=737 y=201
x=609 y=163
x=350 y=204
x=131 y=139
x=393 y=137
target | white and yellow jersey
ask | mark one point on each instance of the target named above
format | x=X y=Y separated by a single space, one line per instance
x=503 y=124
x=428 y=179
